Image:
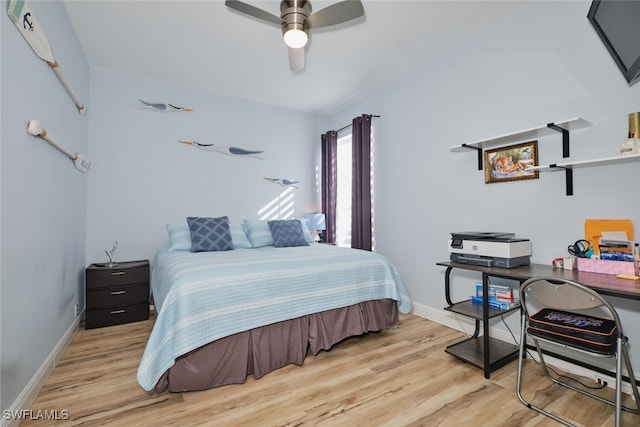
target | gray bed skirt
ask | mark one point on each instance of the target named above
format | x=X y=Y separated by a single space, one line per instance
x=261 y=350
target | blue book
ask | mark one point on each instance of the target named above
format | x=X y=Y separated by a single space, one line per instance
x=503 y=305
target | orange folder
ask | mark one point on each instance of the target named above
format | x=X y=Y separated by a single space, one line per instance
x=593 y=229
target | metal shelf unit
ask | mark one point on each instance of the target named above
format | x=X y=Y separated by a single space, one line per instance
x=481 y=351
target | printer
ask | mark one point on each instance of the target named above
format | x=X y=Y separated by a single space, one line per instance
x=489 y=249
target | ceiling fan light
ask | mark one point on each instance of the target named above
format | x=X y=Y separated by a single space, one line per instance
x=295 y=38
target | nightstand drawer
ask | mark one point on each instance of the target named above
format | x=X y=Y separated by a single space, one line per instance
x=117 y=296
x=123 y=274
x=116 y=315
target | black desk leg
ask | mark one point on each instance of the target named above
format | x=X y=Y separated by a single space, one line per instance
x=447 y=296
x=447 y=285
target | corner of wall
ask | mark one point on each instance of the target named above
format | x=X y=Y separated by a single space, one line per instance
x=18 y=410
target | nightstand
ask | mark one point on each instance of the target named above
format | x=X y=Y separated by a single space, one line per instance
x=116 y=295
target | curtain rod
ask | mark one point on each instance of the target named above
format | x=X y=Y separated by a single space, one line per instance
x=344 y=127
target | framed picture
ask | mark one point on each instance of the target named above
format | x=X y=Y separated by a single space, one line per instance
x=510 y=163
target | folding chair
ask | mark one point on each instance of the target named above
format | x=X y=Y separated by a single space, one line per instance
x=577 y=318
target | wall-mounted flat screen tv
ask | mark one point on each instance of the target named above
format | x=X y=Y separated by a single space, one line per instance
x=617 y=22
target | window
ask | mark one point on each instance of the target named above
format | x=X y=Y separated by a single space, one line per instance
x=343 y=202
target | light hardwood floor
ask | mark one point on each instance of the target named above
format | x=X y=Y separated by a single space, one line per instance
x=398 y=377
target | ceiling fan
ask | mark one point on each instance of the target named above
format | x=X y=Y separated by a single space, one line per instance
x=297 y=20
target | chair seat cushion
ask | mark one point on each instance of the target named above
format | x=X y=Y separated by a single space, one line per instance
x=588 y=333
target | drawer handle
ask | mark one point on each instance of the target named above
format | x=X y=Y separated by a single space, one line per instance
x=118 y=273
x=118 y=311
x=118 y=292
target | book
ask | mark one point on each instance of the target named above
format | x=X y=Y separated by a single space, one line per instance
x=498 y=292
x=503 y=305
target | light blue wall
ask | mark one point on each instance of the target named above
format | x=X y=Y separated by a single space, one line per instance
x=142 y=178
x=43 y=211
x=545 y=63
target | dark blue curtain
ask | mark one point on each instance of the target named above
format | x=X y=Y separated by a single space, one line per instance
x=330 y=182
x=361 y=232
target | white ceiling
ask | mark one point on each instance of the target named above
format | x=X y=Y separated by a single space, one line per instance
x=205 y=46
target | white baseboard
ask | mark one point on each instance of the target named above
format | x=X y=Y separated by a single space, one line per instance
x=30 y=393
x=466 y=325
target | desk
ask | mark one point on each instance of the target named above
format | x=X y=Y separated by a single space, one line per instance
x=490 y=354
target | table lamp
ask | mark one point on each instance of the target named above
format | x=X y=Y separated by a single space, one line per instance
x=316 y=222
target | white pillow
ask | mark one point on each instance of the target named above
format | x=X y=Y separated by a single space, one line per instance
x=179 y=237
x=305 y=231
x=259 y=232
x=239 y=237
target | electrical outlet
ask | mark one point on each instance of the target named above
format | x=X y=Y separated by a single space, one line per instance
x=626 y=387
x=601 y=381
x=76 y=308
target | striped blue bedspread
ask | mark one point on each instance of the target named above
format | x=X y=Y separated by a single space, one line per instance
x=204 y=296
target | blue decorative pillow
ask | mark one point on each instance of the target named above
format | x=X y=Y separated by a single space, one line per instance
x=210 y=234
x=259 y=232
x=287 y=233
x=180 y=237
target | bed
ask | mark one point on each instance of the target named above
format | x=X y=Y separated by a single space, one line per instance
x=224 y=315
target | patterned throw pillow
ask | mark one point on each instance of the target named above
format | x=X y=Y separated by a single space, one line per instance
x=180 y=237
x=287 y=233
x=210 y=234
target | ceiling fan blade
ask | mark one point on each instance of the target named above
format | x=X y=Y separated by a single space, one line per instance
x=250 y=10
x=337 y=14
x=296 y=59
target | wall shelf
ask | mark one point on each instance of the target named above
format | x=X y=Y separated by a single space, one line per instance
x=569 y=166
x=587 y=163
x=562 y=126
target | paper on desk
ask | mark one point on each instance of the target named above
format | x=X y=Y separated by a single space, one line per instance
x=593 y=229
x=615 y=238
